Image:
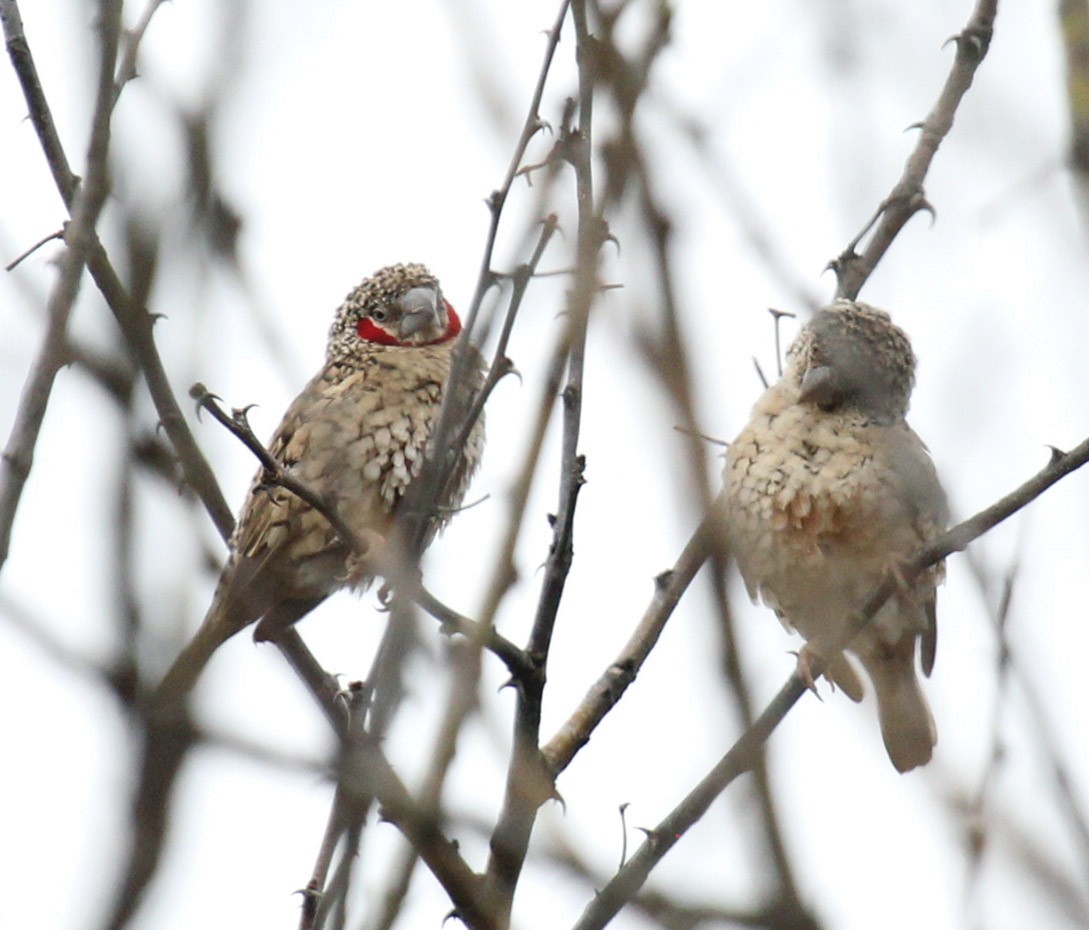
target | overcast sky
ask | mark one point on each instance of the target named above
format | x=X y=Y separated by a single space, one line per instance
x=351 y=135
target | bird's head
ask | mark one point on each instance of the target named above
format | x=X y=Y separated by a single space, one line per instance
x=401 y=305
x=851 y=356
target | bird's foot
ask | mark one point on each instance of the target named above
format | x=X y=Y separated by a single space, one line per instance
x=808 y=657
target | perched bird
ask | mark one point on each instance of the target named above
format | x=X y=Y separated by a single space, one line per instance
x=357 y=435
x=827 y=488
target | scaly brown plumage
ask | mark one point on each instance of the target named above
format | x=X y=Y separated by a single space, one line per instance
x=826 y=488
x=357 y=434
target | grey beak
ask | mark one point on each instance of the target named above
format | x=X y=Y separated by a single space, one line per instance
x=819 y=386
x=420 y=310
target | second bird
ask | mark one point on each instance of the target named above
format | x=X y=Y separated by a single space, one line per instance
x=826 y=489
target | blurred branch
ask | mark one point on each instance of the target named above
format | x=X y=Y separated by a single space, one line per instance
x=976 y=806
x=667 y=353
x=1010 y=669
x=135 y=321
x=906 y=197
x=669 y=587
x=741 y=755
x=756 y=230
x=86 y=205
x=165 y=744
x=130 y=47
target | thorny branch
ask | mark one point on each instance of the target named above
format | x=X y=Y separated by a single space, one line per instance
x=455 y=423
x=275 y=474
x=456 y=418
x=528 y=782
x=739 y=758
x=906 y=197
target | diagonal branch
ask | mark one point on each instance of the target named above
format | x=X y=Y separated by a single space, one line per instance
x=86 y=205
x=906 y=197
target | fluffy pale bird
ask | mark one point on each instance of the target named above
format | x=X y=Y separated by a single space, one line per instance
x=827 y=488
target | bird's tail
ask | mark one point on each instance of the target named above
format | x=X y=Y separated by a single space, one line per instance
x=171 y=692
x=907 y=726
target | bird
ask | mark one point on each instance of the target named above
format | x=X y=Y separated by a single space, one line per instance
x=826 y=490
x=357 y=434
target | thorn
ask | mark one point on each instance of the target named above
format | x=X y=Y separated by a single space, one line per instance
x=919 y=125
x=1057 y=455
x=710 y=439
x=760 y=373
x=921 y=203
x=661 y=582
x=311 y=891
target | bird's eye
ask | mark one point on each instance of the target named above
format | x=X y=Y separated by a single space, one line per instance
x=379 y=315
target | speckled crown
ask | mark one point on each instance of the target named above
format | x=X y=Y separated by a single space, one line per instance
x=864 y=342
x=382 y=288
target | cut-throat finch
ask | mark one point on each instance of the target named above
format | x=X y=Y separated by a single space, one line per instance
x=827 y=489
x=356 y=435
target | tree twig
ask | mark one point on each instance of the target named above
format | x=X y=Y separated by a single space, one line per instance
x=906 y=197
x=528 y=781
x=86 y=205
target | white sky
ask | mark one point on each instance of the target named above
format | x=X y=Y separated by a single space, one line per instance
x=353 y=135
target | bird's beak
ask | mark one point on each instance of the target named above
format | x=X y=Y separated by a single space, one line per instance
x=818 y=385
x=420 y=308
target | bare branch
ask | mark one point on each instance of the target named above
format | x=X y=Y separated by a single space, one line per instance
x=906 y=197
x=87 y=204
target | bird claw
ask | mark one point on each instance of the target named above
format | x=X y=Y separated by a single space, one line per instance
x=806 y=657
